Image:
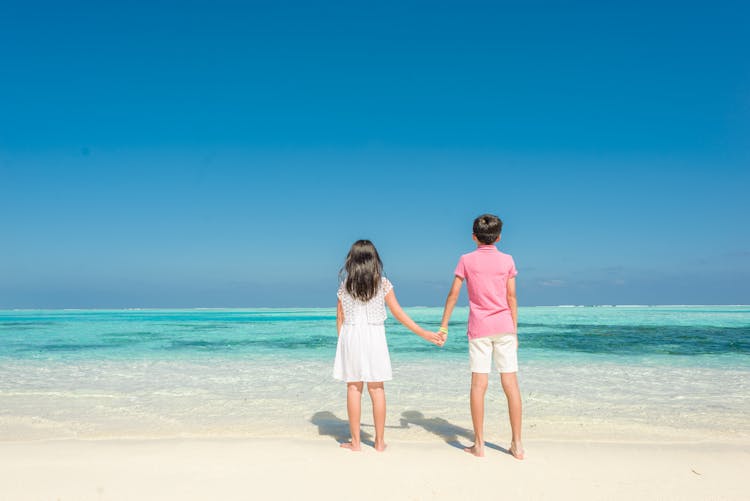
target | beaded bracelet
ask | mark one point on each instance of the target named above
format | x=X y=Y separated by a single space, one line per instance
x=444 y=330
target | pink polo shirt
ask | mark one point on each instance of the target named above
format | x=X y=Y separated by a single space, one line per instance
x=486 y=271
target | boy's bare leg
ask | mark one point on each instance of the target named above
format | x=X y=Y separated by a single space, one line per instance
x=478 y=390
x=513 y=394
x=377 y=394
x=354 y=410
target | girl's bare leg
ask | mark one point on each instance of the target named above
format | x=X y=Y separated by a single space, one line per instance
x=377 y=394
x=479 y=383
x=354 y=410
x=513 y=394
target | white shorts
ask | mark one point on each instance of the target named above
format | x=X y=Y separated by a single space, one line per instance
x=501 y=347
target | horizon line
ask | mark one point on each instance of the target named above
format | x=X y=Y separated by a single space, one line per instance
x=155 y=308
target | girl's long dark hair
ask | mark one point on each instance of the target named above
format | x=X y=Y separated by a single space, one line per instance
x=362 y=270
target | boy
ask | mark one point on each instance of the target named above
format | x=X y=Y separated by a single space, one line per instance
x=493 y=324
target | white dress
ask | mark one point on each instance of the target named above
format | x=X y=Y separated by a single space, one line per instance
x=362 y=351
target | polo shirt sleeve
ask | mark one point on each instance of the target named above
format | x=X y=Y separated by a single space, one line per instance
x=513 y=271
x=460 y=269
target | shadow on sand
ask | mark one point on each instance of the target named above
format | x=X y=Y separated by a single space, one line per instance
x=328 y=424
x=444 y=429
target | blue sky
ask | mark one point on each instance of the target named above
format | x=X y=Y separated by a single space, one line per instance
x=165 y=154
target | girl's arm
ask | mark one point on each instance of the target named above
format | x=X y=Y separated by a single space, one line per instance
x=513 y=302
x=401 y=316
x=450 y=302
x=339 y=317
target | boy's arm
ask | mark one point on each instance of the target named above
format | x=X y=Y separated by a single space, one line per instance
x=401 y=316
x=339 y=317
x=450 y=302
x=513 y=302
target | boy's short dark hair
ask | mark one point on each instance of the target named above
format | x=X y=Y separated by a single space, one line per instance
x=487 y=228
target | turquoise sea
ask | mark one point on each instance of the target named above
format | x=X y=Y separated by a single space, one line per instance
x=670 y=372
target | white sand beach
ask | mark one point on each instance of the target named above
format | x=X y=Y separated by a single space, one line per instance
x=193 y=469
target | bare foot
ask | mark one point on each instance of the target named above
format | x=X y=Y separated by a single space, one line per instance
x=380 y=446
x=478 y=451
x=351 y=446
x=516 y=450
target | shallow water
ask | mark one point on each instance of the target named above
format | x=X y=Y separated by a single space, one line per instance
x=620 y=372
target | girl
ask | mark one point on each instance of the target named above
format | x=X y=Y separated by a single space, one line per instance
x=362 y=352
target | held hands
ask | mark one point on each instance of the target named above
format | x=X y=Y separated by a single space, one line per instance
x=435 y=338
